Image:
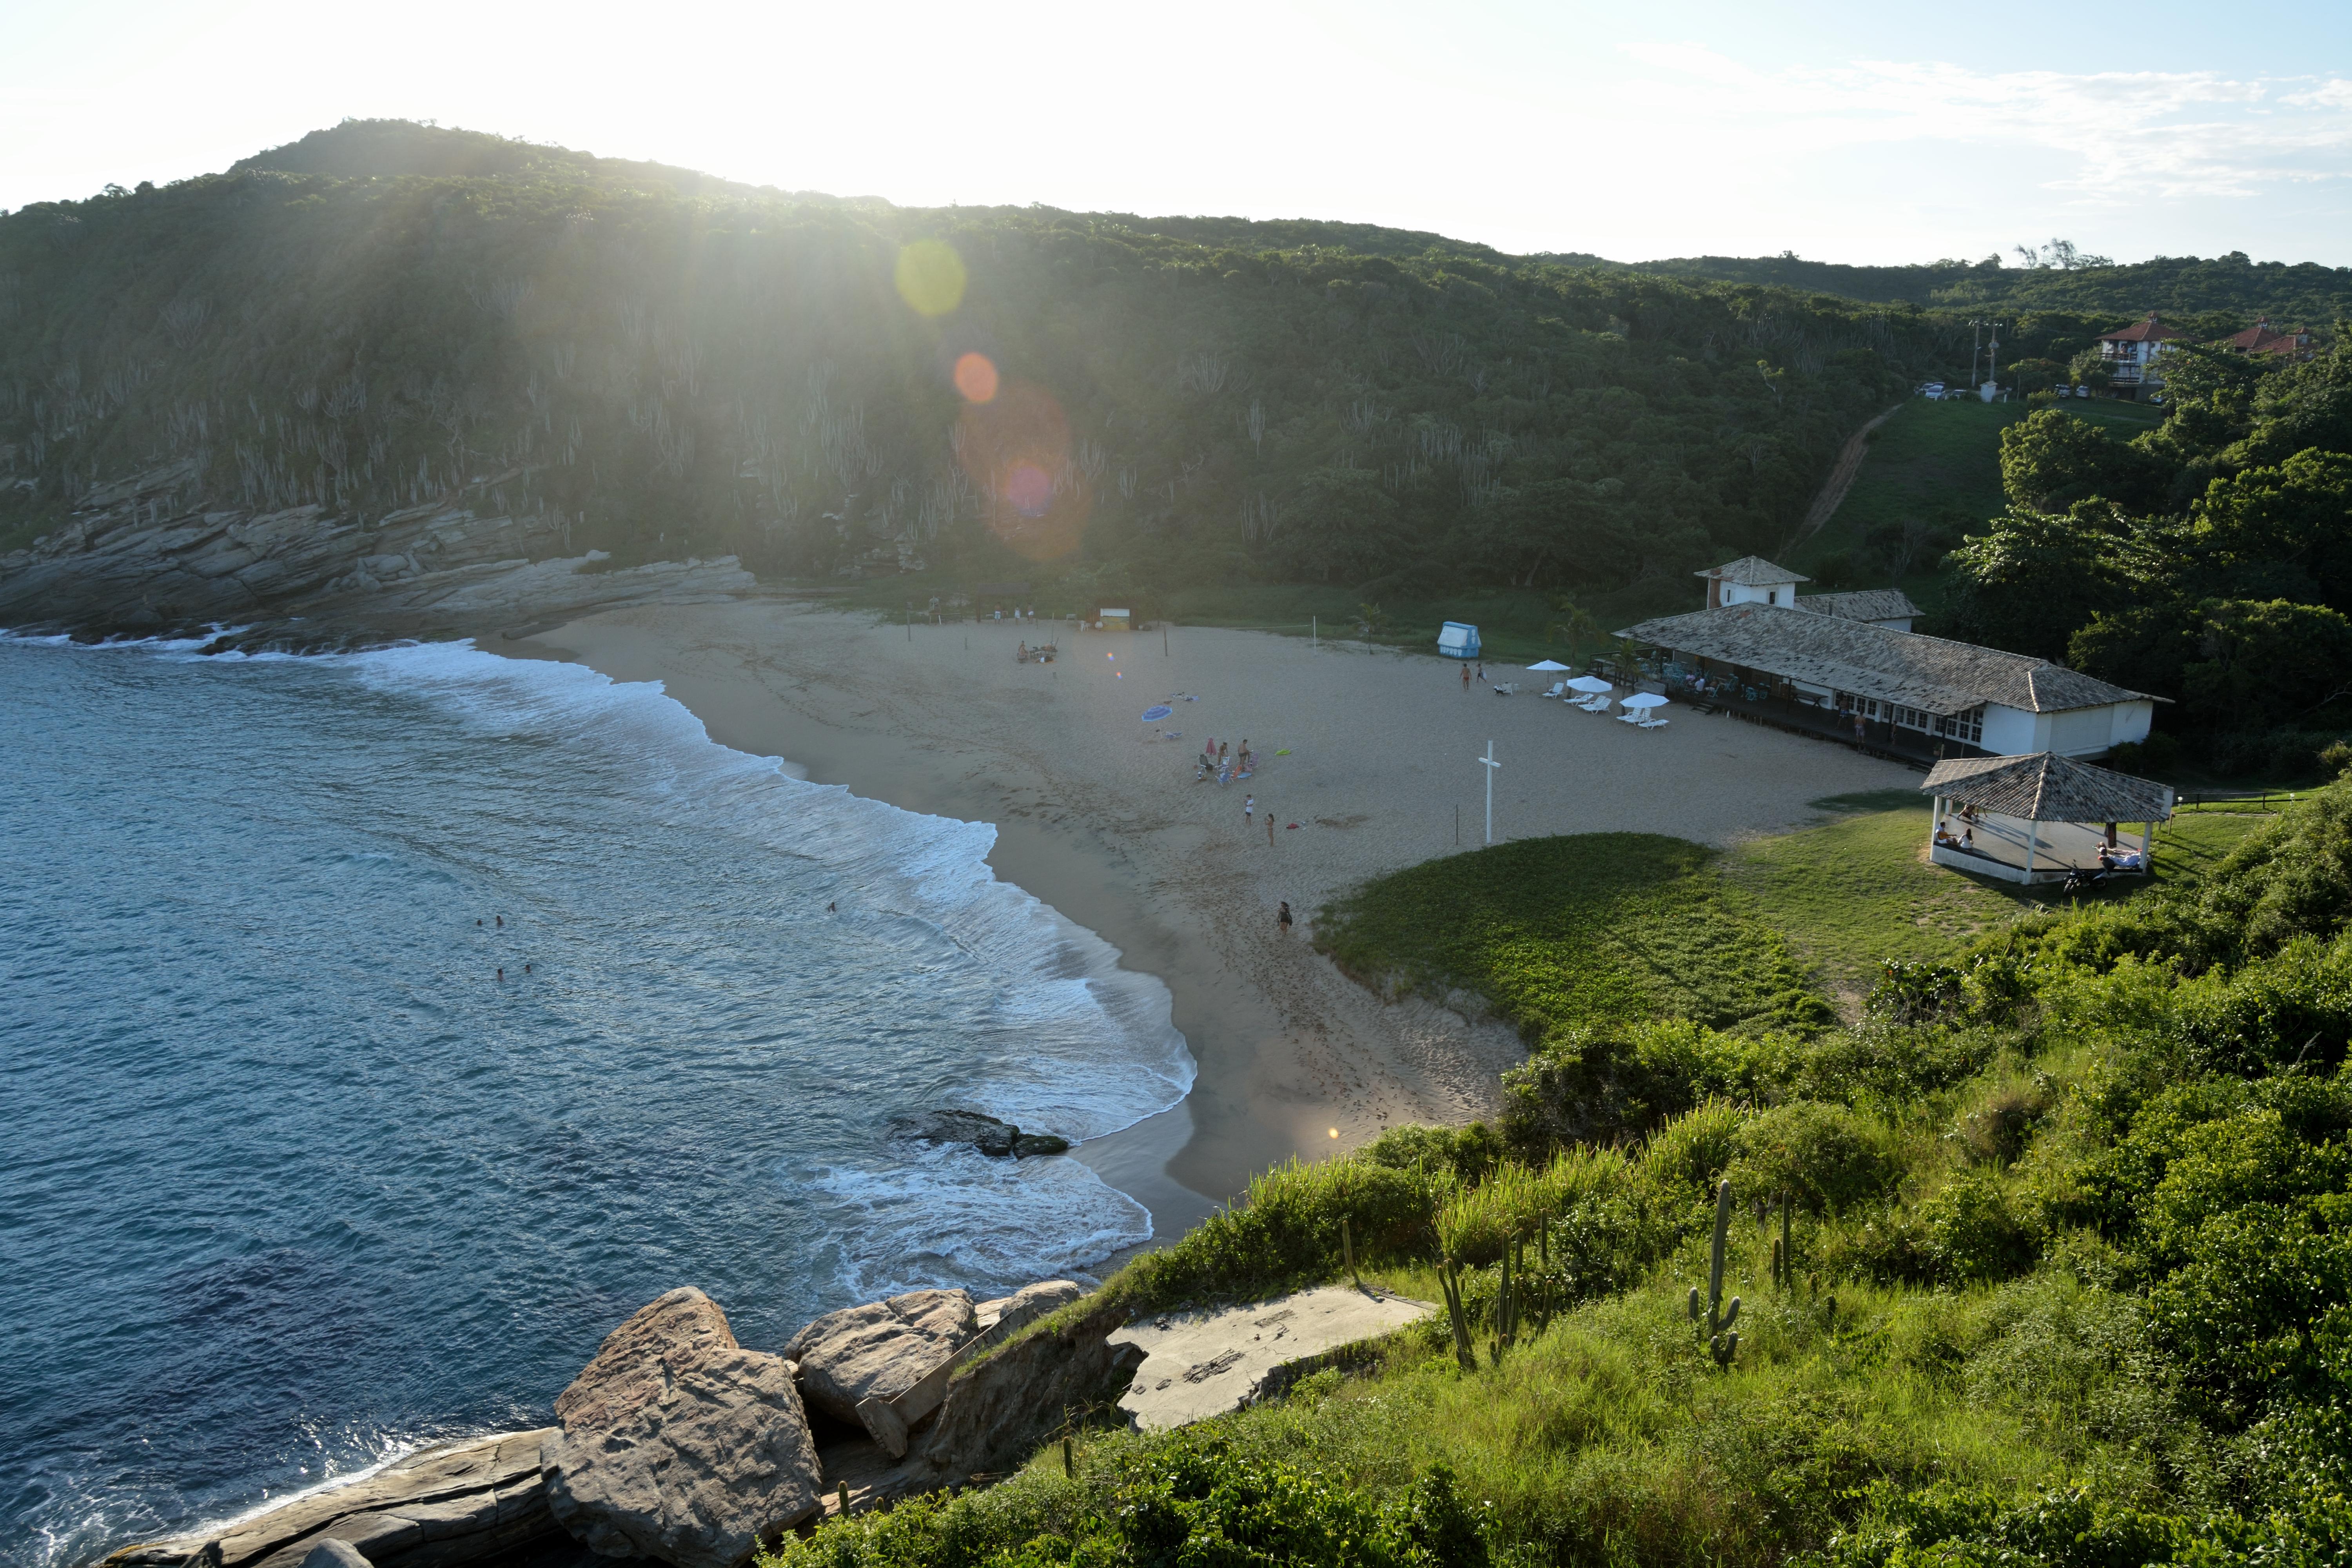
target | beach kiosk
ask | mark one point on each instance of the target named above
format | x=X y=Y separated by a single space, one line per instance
x=1455 y=640
x=2040 y=817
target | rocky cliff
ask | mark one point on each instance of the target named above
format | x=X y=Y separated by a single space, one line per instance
x=133 y=563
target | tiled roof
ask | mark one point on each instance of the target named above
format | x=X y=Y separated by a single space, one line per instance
x=1865 y=604
x=2151 y=329
x=2047 y=787
x=2262 y=338
x=1753 y=571
x=1918 y=671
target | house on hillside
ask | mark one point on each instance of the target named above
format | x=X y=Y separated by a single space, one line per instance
x=2129 y=355
x=1860 y=679
x=2295 y=343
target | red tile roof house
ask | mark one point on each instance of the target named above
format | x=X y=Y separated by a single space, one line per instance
x=2130 y=354
x=2294 y=343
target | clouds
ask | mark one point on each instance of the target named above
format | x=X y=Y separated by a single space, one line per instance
x=2120 y=137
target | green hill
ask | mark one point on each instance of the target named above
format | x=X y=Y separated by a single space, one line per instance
x=385 y=316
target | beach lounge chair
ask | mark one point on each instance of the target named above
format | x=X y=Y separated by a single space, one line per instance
x=1654 y=724
x=1557 y=689
x=1631 y=716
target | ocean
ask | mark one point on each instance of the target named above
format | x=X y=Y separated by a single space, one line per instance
x=378 y=1030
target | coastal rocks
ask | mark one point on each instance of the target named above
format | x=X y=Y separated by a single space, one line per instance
x=442 y=1506
x=140 y=556
x=884 y=1364
x=985 y=1133
x=677 y=1443
x=996 y=1413
x=1007 y=1315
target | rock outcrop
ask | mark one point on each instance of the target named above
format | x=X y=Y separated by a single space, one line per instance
x=448 y=1504
x=677 y=1443
x=985 y=1133
x=884 y=1364
x=998 y=1410
x=137 y=558
x=1007 y=1315
x=1205 y=1363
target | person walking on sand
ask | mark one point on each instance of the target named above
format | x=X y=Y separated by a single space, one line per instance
x=1284 y=918
x=1249 y=811
x=1466 y=681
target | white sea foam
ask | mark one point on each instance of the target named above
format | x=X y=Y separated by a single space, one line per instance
x=1097 y=1051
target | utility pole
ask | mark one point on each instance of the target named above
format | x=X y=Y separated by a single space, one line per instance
x=1491 y=765
x=1975 y=347
x=1993 y=363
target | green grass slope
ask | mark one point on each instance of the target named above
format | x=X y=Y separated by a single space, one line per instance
x=1931 y=464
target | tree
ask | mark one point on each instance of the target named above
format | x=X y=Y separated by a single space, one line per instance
x=2050 y=461
x=2296 y=516
x=2030 y=578
x=1340 y=525
x=2270 y=663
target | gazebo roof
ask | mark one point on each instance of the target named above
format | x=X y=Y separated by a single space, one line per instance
x=2047 y=787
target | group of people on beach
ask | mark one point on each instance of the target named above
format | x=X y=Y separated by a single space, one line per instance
x=1217 y=758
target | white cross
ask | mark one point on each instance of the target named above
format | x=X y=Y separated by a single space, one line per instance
x=1491 y=765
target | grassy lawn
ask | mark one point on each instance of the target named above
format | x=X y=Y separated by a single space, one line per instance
x=1939 y=462
x=1584 y=930
x=1576 y=930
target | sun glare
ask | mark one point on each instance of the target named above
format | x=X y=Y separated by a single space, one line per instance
x=931 y=276
x=976 y=377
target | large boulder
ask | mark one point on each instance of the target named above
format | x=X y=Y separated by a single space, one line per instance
x=1008 y=1315
x=881 y=1351
x=677 y=1443
x=449 y=1504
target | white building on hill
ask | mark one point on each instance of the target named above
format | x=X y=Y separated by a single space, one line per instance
x=1869 y=679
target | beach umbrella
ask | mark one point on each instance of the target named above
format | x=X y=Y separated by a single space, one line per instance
x=1156 y=712
x=1592 y=684
x=1643 y=700
x=1547 y=667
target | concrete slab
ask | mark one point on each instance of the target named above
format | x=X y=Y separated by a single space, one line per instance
x=1199 y=1364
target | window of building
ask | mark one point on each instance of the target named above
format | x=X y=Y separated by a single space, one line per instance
x=1967 y=726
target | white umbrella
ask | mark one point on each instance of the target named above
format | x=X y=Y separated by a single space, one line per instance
x=1589 y=683
x=1643 y=700
x=1546 y=667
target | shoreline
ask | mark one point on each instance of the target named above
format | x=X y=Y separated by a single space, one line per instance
x=1101 y=821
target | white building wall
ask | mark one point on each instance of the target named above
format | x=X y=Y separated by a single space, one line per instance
x=2132 y=722
x=2010 y=732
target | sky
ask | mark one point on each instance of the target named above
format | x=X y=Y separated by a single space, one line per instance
x=1860 y=132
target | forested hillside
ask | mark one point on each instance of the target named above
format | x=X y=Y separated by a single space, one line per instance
x=2233 y=288
x=387 y=316
x=2207 y=560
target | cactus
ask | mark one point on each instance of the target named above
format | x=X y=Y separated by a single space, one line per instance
x=1449 y=1279
x=1506 y=1311
x=1784 y=1254
x=1714 y=1328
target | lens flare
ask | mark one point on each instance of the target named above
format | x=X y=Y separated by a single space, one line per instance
x=931 y=276
x=976 y=377
x=1016 y=449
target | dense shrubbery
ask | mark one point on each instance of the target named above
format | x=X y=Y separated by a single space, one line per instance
x=2070 y=1285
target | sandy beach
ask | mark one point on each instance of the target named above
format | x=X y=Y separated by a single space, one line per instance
x=1372 y=754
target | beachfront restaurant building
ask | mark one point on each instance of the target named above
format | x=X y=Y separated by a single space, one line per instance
x=1895 y=692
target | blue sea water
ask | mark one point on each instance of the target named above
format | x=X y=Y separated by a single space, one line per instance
x=290 y=1180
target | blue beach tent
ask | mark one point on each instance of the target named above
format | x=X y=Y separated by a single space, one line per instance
x=1455 y=640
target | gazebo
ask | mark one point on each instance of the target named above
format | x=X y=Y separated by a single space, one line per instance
x=2036 y=818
